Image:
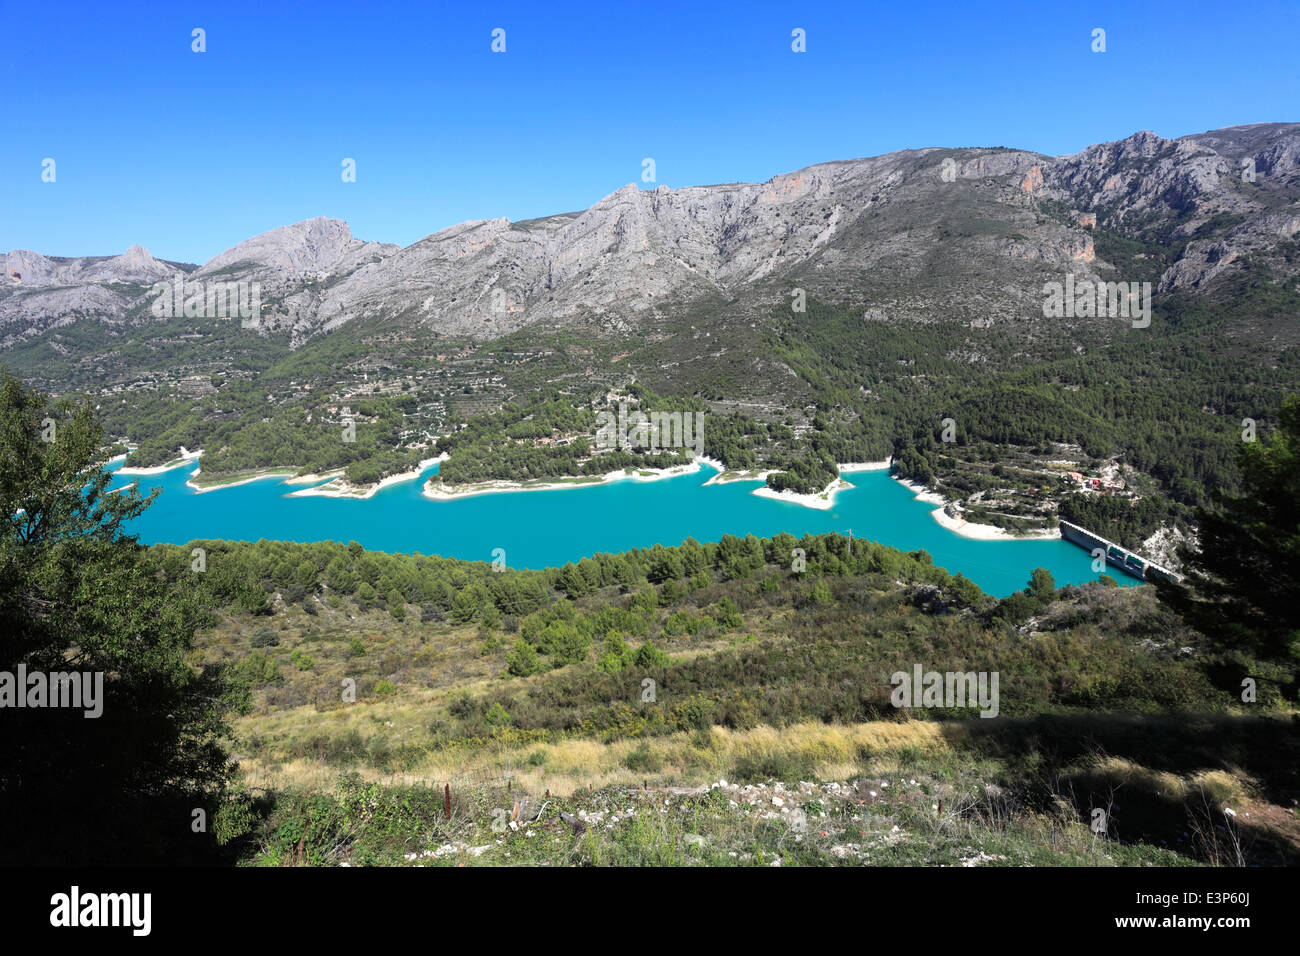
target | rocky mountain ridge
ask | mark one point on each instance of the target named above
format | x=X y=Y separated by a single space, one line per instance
x=917 y=234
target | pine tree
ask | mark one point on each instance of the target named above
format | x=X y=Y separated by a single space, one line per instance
x=1243 y=578
x=77 y=595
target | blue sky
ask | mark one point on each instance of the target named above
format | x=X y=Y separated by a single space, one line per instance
x=188 y=153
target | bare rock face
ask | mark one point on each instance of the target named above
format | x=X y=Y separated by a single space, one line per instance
x=1163 y=546
x=314 y=245
x=887 y=230
x=1138 y=174
x=33 y=270
x=38 y=292
x=913 y=235
x=638 y=253
x=135 y=265
x=28 y=268
x=1243 y=179
x=294 y=266
x=627 y=253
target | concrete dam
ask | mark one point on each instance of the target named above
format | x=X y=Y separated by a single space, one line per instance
x=1127 y=561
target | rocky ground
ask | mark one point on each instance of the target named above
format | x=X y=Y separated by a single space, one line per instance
x=885 y=820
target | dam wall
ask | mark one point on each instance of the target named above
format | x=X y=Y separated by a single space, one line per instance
x=1116 y=555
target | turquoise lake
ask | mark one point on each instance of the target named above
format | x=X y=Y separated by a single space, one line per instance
x=549 y=528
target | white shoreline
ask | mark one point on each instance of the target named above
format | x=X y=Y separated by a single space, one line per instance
x=342 y=489
x=308 y=479
x=199 y=489
x=578 y=481
x=288 y=478
x=823 y=500
x=922 y=493
x=737 y=474
x=970 y=529
x=881 y=465
x=187 y=457
x=988 y=532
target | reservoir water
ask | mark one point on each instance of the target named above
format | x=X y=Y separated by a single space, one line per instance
x=548 y=528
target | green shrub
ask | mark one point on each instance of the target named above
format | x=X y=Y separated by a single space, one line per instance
x=522 y=660
x=727 y=615
x=784 y=766
x=396 y=605
x=651 y=657
x=643 y=760
x=257 y=668
x=615 y=655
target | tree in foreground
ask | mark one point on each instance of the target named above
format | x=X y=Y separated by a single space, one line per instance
x=77 y=597
x=1243 y=578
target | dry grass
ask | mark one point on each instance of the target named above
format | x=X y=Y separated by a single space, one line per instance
x=1218 y=786
x=830 y=752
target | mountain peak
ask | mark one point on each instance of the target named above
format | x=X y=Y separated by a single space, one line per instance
x=311 y=244
x=842 y=230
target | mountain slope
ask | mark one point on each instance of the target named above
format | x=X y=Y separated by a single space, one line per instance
x=920 y=234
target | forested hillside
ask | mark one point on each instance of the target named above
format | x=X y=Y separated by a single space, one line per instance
x=254 y=674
